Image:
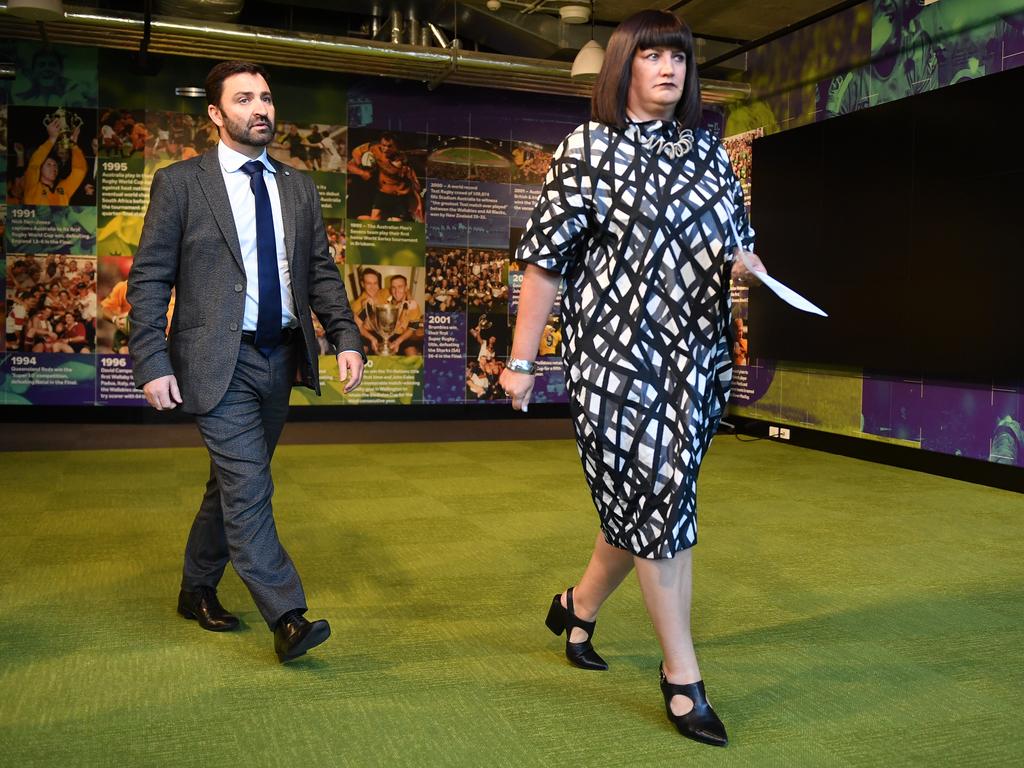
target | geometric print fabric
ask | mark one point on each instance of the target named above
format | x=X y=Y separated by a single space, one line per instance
x=644 y=244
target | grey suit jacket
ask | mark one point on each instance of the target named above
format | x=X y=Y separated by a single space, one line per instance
x=189 y=242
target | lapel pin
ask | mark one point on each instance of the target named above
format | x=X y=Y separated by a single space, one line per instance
x=286 y=173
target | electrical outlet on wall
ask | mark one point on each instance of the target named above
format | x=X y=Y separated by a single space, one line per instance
x=784 y=433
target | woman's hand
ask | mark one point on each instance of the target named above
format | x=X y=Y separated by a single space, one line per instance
x=740 y=273
x=518 y=386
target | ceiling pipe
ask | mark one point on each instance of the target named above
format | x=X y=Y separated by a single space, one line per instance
x=211 y=10
x=439 y=35
x=87 y=26
x=396 y=27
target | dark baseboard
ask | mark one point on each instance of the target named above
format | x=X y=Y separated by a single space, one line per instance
x=88 y=414
x=1007 y=477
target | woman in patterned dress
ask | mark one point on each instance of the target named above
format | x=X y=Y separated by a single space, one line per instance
x=637 y=214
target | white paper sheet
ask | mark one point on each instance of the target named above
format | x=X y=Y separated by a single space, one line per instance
x=784 y=292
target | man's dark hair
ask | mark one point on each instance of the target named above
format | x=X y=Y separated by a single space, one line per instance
x=369 y=271
x=647 y=29
x=221 y=72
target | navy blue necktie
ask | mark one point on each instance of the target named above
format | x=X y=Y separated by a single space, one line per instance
x=268 y=323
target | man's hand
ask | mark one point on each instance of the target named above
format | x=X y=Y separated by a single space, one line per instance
x=53 y=128
x=350 y=369
x=163 y=393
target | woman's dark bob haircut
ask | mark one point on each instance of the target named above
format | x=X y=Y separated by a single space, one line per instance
x=647 y=29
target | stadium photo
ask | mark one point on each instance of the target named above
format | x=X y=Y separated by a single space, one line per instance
x=473 y=159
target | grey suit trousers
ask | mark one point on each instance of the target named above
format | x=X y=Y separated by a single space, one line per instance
x=236 y=521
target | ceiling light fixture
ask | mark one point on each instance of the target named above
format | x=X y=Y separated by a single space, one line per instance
x=37 y=10
x=591 y=56
x=575 y=14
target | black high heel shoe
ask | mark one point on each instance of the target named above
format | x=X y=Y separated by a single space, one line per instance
x=700 y=723
x=562 y=620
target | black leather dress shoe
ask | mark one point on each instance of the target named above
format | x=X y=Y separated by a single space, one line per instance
x=294 y=635
x=204 y=607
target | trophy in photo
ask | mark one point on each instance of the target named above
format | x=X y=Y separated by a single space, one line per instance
x=69 y=122
x=385 y=318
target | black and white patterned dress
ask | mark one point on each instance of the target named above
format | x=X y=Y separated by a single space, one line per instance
x=643 y=241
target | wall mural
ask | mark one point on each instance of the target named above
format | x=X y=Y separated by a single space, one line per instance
x=424 y=196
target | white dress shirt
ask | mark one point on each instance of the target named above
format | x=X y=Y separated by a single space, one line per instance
x=243 y=209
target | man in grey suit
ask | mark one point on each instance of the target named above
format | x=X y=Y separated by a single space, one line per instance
x=240 y=239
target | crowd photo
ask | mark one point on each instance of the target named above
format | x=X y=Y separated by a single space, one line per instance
x=446 y=279
x=51 y=304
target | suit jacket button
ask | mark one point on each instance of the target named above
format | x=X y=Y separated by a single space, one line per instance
x=238 y=287
x=234 y=326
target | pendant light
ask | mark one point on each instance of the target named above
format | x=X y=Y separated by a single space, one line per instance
x=591 y=56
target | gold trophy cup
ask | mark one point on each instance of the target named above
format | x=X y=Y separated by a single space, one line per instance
x=385 y=318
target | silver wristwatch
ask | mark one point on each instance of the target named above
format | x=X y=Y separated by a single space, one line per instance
x=521 y=366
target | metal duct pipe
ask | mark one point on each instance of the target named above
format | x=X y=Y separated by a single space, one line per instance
x=413 y=28
x=213 y=10
x=439 y=35
x=396 y=27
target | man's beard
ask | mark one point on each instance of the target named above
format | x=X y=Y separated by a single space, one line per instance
x=243 y=133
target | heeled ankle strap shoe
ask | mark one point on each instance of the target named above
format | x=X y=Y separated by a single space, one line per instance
x=561 y=620
x=700 y=723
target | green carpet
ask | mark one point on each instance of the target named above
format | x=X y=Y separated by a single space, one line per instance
x=846 y=614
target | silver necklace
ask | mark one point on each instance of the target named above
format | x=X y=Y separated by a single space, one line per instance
x=670 y=149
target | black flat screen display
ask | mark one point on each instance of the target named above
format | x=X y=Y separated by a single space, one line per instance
x=905 y=222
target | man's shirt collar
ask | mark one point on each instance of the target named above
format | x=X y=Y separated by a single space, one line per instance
x=231 y=161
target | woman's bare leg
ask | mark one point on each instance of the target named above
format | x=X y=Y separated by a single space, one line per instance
x=667 y=587
x=607 y=568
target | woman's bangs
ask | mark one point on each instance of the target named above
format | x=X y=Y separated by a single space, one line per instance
x=666 y=35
